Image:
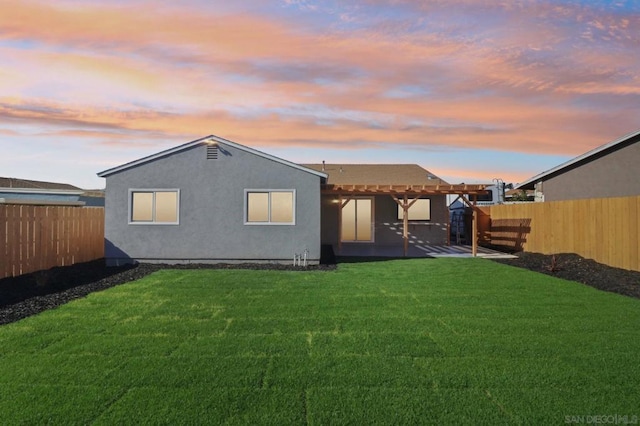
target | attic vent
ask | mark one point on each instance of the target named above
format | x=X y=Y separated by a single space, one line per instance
x=212 y=152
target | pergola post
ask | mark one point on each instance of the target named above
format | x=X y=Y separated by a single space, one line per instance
x=340 y=223
x=405 y=204
x=405 y=224
x=474 y=226
x=474 y=223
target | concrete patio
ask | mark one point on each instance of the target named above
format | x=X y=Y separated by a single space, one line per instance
x=418 y=250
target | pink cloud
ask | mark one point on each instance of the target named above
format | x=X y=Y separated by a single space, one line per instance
x=172 y=72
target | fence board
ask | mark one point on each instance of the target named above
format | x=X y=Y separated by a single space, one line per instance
x=604 y=229
x=15 y=250
x=634 y=229
x=34 y=238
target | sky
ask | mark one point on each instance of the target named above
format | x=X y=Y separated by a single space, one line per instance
x=471 y=90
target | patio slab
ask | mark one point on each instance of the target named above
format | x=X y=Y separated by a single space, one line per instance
x=419 y=250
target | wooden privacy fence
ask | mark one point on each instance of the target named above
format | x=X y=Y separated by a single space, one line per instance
x=604 y=229
x=33 y=238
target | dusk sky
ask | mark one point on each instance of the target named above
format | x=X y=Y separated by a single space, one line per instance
x=470 y=89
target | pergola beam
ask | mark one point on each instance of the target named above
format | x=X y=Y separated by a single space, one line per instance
x=403 y=189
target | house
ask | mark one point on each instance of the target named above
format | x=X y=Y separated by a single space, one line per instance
x=611 y=170
x=213 y=200
x=23 y=191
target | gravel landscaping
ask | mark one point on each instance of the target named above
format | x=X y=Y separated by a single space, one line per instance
x=572 y=267
x=32 y=293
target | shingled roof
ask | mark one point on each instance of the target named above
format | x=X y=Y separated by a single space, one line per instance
x=376 y=174
x=35 y=184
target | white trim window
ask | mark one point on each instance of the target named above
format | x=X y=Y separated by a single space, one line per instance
x=419 y=211
x=154 y=206
x=269 y=206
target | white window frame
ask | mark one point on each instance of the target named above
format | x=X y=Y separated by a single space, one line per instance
x=153 y=191
x=415 y=220
x=268 y=191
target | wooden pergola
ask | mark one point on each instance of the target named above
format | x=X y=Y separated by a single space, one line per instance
x=405 y=196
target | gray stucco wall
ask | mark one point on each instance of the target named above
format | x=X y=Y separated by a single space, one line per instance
x=211 y=219
x=388 y=228
x=614 y=175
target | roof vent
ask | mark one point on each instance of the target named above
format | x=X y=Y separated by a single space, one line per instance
x=212 y=152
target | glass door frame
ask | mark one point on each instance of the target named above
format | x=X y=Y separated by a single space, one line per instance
x=355 y=220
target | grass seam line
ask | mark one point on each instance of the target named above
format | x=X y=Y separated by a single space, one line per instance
x=305 y=405
x=310 y=342
x=497 y=403
x=111 y=404
x=448 y=326
x=264 y=377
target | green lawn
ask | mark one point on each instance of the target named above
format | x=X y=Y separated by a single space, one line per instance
x=447 y=341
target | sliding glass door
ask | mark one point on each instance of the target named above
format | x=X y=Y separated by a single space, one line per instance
x=357 y=220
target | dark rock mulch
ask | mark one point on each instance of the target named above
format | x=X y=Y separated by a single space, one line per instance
x=30 y=294
x=573 y=267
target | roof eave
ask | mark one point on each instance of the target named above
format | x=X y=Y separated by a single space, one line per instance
x=206 y=139
x=36 y=202
x=42 y=191
x=149 y=158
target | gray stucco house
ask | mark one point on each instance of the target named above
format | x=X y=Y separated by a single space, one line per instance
x=611 y=170
x=213 y=200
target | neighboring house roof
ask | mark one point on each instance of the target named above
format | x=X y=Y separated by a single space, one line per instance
x=35 y=184
x=377 y=174
x=33 y=192
x=211 y=139
x=581 y=159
